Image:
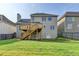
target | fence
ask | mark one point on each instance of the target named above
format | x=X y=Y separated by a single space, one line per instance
x=7 y=36
x=74 y=35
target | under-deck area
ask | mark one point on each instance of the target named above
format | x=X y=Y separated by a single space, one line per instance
x=30 y=30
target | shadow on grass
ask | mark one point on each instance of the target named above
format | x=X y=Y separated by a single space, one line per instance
x=8 y=41
x=61 y=40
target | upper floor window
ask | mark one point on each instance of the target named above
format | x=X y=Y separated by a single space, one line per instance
x=43 y=19
x=51 y=27
x=49 y=18
x=32 y=18
x=70 y=19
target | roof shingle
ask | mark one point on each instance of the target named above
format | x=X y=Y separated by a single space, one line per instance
x=71 y=14
x=42 y=14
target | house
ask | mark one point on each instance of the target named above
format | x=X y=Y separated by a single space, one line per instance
x=68 y=25
x=49 y=22
x=40 y=26
x=7 y=28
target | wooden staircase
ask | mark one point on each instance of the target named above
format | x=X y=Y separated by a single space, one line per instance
x=27 y=30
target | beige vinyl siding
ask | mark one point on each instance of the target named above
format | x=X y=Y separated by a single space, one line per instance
x=46 y=30
x=71 y=25
x=6 y=28
x=72 y=32
x=18 y=32
x=68 y=23
x=74 y=23
x=76 y=28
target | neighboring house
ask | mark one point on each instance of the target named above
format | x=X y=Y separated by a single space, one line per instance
x=7 y=28
x=49 y=22
x=68 y=25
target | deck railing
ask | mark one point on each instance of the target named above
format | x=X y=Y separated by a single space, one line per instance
x=28 y=29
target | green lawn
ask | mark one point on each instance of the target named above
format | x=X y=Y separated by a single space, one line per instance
x=57 y=47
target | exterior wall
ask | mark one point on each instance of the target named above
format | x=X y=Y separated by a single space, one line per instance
x=75 y=25
x=67 y=22
x=46 y=32
x=18 y=32
x=6 y=28
x=74 y=31
x=7 y=31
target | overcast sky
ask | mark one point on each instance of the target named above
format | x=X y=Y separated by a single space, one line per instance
x=11 y=10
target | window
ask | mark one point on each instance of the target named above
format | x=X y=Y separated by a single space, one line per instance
x=0 y=20
x=70 y=19
x=43 y=19
x=73 y=19
x=78 y=25
x=51 y=27
x=69 y=26
x=33 y=19
x=49 y=18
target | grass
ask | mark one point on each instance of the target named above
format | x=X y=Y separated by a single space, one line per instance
x=50 y=47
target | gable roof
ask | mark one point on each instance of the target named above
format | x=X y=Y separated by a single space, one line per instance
x=6 y=20
x=71 y=14
x=43 y=14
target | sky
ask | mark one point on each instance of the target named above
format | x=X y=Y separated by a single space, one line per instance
x=10 y=10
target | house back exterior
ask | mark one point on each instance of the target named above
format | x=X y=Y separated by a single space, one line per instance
x=49 y=22
x=7 y=28
x=68 y=25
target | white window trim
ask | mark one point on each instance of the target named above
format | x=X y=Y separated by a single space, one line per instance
x=78 y=25
x=69 y=26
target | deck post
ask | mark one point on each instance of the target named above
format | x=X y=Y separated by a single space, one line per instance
x=36 y=34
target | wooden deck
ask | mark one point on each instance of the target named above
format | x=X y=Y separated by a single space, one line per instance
x=27 y=30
